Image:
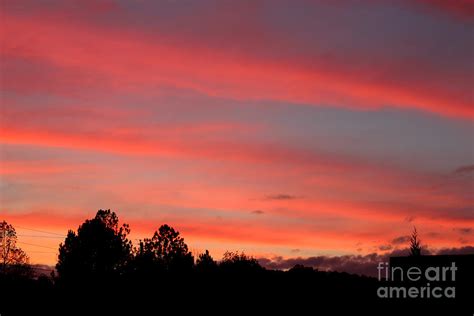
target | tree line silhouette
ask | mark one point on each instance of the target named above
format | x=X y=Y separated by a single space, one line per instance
x=99 y=266
x=101 y=251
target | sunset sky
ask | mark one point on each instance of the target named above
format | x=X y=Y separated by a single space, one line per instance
x=281 y=128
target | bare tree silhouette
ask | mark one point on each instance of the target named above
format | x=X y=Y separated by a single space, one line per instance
x=12 y=257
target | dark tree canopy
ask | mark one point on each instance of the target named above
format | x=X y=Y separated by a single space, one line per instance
x=99 y=249
x=166 y=250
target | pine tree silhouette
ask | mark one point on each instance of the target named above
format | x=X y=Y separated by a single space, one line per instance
x=415 y=247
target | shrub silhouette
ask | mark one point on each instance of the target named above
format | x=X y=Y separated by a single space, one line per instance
x=301 y=270
x=239 y=263
x=99 y=250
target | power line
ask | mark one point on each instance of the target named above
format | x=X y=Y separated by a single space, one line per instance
x=40 y=231
x=37 y=236
x=25 y=243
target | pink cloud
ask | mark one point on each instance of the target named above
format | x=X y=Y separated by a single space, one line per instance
x=126 y=61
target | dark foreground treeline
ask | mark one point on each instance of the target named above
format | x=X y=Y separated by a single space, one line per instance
x=98 y=271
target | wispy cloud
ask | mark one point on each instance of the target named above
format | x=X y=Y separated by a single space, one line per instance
x=385 y=247
x=400 y=240
x=464 y=230
x=281 y=196
x=465 y=169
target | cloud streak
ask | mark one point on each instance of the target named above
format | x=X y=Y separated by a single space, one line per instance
x=464 y=169
x=281 y=196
